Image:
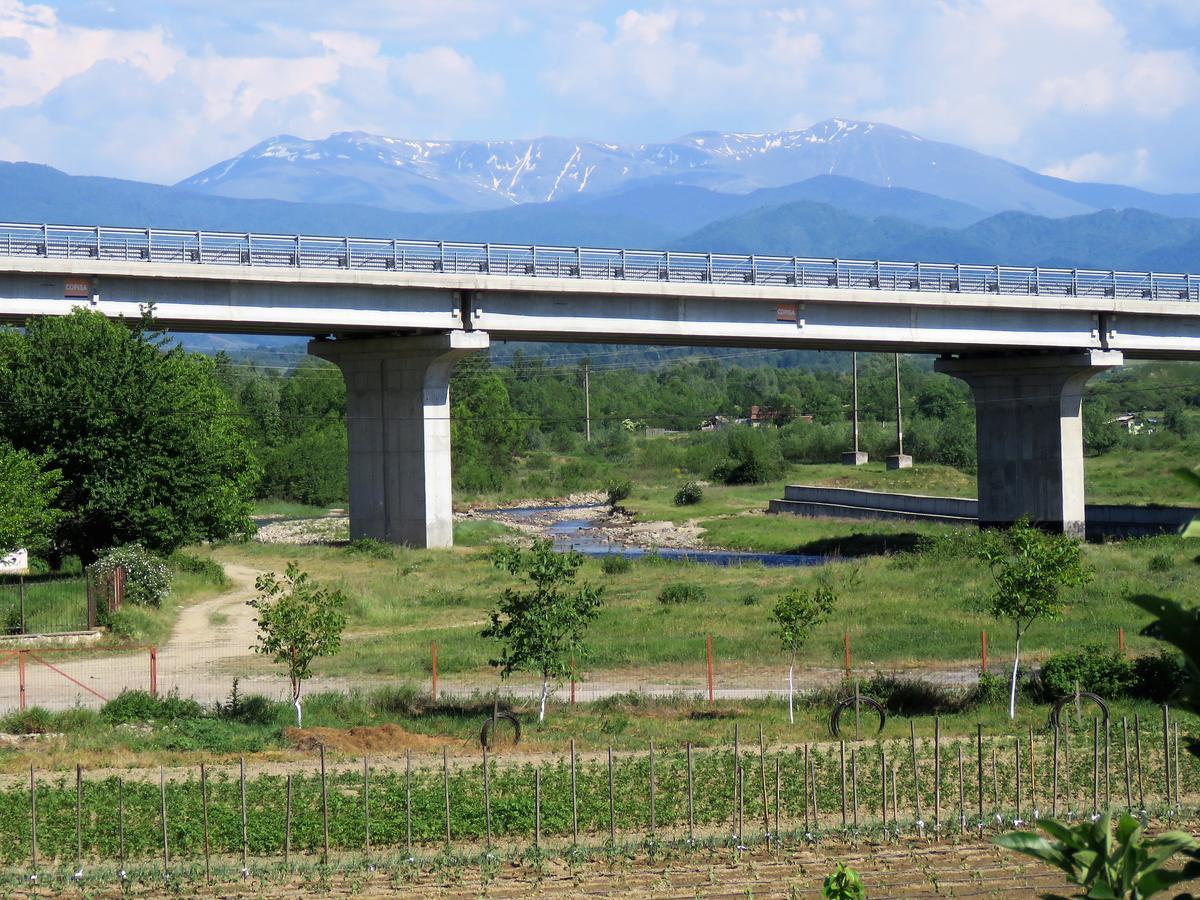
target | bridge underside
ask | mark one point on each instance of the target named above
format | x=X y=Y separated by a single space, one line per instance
x=397 y=335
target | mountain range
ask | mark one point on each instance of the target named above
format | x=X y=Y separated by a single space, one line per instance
x=448 y=176
x=846 y=189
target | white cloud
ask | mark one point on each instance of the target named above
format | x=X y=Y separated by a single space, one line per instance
x=1121 y=168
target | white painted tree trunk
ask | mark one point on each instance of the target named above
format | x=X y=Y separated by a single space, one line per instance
x=545 y=693
x=1012 y=691
x=299 y=714
x=791 y=691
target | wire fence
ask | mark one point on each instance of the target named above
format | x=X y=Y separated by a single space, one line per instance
x=742 y=795
x=277 y=251
x=49 y=673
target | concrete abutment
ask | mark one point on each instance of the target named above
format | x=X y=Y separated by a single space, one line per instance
x=398 y=424
x=1029 y=434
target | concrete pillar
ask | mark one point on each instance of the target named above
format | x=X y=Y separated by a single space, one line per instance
x=398 y=422
x=1029 y=434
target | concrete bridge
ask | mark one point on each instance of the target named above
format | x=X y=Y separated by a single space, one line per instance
x=396 y=315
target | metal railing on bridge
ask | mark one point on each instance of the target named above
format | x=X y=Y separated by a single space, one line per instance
x=274 y=251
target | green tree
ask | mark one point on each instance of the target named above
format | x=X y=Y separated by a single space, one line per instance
x=485 y=432
x=27 y=493
x=1030 y=569
x=298 y=621
x=150 y=447
x=542 y=629
x=795 y=615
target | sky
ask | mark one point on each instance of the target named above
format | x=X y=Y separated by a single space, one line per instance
x=155 y=90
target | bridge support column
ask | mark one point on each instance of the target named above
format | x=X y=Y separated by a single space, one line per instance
x=1029 y=434
x=398 y=422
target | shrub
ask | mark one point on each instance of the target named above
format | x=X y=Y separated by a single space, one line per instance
x=681 y=592
x=617 y=490
x=689 y=494
x=753 y=457
x=910 y=696
x=1161 y=562
x=990 y=690
x=1157 y=676
x=1094 y=668
x=208 y=569
x=141 y=706
x=147 y=582
x=371 y=548
x=615 y=564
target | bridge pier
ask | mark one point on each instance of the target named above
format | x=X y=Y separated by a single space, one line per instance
x=398 y=423
x=1029 y=434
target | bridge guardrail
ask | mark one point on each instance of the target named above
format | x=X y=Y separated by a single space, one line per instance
x=152 y=245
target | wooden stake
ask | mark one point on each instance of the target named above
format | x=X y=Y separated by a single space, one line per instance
x=162 y=807
x=1069 y=794
x=1166 y=755
x=737 y=835
x=446 y=792
x=574 y=800
x=842 y=761
x=487 y=799
x=691 y=797
x=1178 y=804
x=537 y=808
x=1125 y=756
x=1095 y=765
x=912 y=738
x=854 y=784
x=612 y=804
x=979 y=771
x=762 y=774
x=937 y=773
x=741 y=829
x=121 y=830
x=78 y=818
x=408 y=802
x=367 y=809
x=778 y=792
x=995 y=783
x=1054 y=782
x=204 y=822
x=807 y=811
x=1017 y=770
x=1137 y=749
x=816 y=804
x=33 y=821
x=287 y=827
x=883 y=785
x=962 y=794
x=653 y=806
x=324 y=811
x=846 y=654
x=1107 y=767
x=245 y=832
x=1033 y=803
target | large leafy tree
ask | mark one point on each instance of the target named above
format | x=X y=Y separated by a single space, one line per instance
x=542 y=629
x=27 y=493
x=150 y=448
x=1031 y=568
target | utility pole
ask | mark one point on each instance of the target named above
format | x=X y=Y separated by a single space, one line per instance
x=587 y=405
x=900 y=460
x=855 y=457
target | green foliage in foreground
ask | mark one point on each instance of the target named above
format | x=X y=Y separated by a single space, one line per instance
x=150 y=449
x=1128 y=865
x=28 y=491
x=843 y=884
